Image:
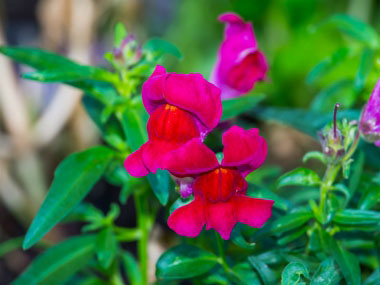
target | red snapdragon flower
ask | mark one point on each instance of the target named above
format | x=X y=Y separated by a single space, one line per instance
x=369 y=125
x=240 y=64
x=181 y=107
x=219 y=189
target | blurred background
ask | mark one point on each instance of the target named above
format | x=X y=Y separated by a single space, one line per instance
x=42 y=123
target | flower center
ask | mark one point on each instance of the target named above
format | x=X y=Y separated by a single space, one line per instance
x=173 y=124
x=219 y=185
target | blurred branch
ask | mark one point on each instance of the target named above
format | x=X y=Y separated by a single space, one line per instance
x=80 y=34
x=12 y=103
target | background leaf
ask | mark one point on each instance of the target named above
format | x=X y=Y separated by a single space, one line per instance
x=184 y=261
x=236 y=106
x=265 y=273
x=326 y=274
x=292 y=273
x=348 y=263
x=60 y=262
x=106 y=247
x=73 y=179
x=299 y=176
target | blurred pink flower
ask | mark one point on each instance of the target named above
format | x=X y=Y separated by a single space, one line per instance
x=181 y=107
x=240 y=64
x=219 y=189
x=369 y=125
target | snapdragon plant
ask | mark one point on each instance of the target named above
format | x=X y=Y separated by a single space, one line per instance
x=324 y=224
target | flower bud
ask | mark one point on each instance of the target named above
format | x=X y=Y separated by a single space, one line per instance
x=332 y=139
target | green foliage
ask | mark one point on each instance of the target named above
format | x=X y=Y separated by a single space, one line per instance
x=60 y=262
x=300 y=177
x=292 y=273
x=236 y=106
x=74 y=178
x=184 y=261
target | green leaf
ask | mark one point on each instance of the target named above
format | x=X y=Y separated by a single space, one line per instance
x=366 y=63
x=290 y=221
x=160 y=183
x=106 y=247
x=79 y=73
x=355 y=28
x=314 y=155
x=60 y=262
x=264 y=193
x=159 y=47
x=131 y=268
x=357 y=217
x=326 y=274
x=119 y=34
x=370 y=198
x=356 y=173
x=293 y=236
x=134 y=125
x=374 y=278
x=236 y=106
x=341 y=90
x=38 y=58
x=348 y=263
x=73 y=179
x=300 y=177
x=308 y=122
x=10 y=245
x=184 y=261
x=265 y=273
x=111 y=130
x=326 y=65
x=246 y=274
x=292 y=273
x=238 y=238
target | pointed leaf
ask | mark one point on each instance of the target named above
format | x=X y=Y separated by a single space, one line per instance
x=265 y=273
x=131 y=268
x=73 y=179
x=348 y=263
x=60 y=262
x=184 y=261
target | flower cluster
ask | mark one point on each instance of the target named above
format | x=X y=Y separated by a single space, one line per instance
x=183 y=109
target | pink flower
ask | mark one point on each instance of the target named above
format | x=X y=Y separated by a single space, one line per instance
x=181 y=107
x=219 y=189
x=369 y=125
x=240 y=64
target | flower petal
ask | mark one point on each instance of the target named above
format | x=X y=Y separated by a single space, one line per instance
x=190 y=159
x=240 y=64
x=173 y=124
x=190 y=92
x=219 y=185
x=155 y=152
x=188 y=220
x=252 y=211
x=221 y=217
x=244 y=149
x=134 y=164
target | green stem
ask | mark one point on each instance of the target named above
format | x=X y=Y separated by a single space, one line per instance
x=222 y=258
x=143 y=224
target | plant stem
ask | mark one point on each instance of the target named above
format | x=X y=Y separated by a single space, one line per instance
x=223 y=260
x=143 y=224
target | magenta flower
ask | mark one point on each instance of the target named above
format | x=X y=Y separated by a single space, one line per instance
x=181 y=107
x=219 y=189
x=240 y=64
x=369 y=125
